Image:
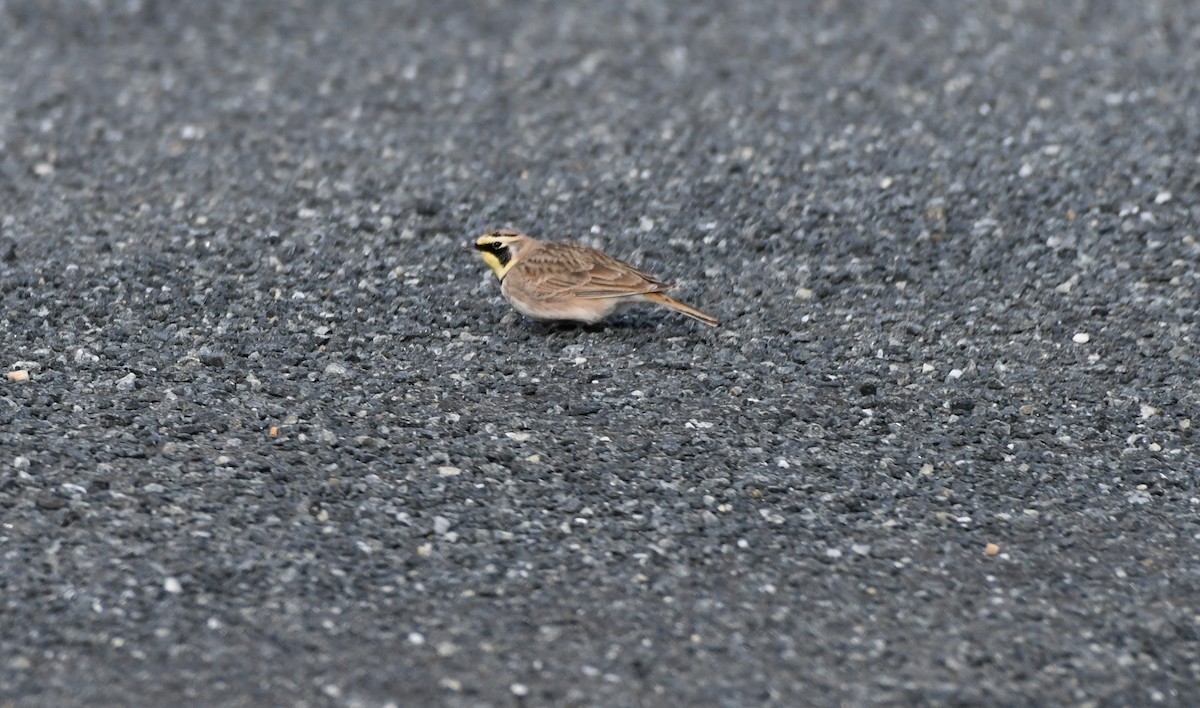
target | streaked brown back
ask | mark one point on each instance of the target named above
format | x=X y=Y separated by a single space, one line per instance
x=555 y=269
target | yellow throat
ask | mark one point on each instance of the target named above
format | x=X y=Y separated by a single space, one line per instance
x=496 y=254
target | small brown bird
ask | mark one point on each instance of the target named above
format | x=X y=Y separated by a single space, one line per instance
x=550 y=281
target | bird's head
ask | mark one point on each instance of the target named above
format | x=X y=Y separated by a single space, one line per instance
x=501 y=249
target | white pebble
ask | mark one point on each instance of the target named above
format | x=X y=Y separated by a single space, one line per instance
x=519 y=690
x=1081 y=338
x=173 y=586
x=449 y=471
x=1163 y=197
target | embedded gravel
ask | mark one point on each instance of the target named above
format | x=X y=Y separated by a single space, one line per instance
x=278 y=440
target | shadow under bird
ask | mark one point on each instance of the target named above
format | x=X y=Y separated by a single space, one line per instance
x=551 y=281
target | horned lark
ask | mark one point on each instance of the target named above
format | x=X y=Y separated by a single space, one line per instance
x=564 y=281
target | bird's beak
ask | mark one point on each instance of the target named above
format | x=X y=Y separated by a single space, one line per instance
x=469 y=248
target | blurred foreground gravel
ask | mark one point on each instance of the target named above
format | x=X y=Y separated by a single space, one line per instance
x=282 y=442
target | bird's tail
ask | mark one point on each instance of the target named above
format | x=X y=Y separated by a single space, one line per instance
x=667 y=300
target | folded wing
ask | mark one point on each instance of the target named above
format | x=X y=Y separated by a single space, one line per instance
x=560 y=269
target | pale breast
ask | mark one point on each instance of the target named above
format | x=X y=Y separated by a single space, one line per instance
x=536 y=305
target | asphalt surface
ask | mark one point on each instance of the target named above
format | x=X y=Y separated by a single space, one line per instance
x=282 y=442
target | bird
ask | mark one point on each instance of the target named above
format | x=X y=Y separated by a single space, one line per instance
x=553 y=281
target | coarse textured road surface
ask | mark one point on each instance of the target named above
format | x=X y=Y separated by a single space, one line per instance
x=281 y=442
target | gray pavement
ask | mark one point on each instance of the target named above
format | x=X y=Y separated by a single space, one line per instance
x=282 y=442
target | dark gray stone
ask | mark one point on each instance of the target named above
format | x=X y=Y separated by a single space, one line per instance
x=258 y=210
